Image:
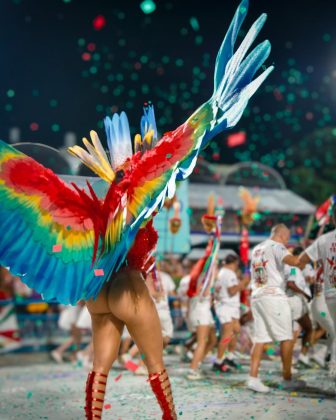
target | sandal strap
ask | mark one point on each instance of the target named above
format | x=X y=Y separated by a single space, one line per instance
x=162 y=390
x=91 y=409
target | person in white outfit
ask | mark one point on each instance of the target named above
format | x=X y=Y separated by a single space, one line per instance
x=182 y=290
x=227 y=290
x=299 y=296
x=323 y=252
x=200 y=317
x=270 y=306
x=182 y=293
x=67 y=321
x=161 y=285
x=84 y=322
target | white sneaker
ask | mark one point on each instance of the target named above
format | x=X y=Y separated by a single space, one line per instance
x=141 y=371
x=256 y=385
x=194 y=375
x=293 y=384
x=304 y=359
x=189 y=355
x=56 y=356
x=319 y=360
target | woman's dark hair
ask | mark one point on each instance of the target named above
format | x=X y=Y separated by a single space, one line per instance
x=231 y=258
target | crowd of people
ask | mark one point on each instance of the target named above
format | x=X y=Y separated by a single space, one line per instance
x=283 y=296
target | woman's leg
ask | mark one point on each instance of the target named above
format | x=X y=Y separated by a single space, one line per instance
x=256 y=354
x=226 y=336
x=106 y=336
x=211 y=341
x=317 y=334
x=202 y=333
x=106 y=333
x=307 y=327
x=129 y=300
x=235 y=332
x=76 y=335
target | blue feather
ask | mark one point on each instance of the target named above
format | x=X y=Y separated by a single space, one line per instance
x=226 y=50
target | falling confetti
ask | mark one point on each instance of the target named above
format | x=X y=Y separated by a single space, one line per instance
x=99 y=22
x=98 y=272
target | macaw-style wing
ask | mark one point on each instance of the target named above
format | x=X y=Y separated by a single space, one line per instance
x=153 y=177
x=49 y=230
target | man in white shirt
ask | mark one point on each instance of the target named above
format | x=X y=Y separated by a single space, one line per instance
x=270 y=306
x=323 y=251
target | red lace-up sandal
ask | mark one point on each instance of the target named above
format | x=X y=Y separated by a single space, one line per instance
x=160 y=384
x=95 y=392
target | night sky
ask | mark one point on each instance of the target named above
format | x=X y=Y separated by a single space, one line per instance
x=58 y=73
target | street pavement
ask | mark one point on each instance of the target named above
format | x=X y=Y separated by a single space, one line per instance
x=34 y=387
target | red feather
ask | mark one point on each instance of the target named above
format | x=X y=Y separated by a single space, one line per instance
x=144 y=244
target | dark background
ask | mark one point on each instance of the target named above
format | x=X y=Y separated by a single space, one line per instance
x=47 y=87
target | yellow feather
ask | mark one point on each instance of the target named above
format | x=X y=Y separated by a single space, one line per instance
x=149 y=136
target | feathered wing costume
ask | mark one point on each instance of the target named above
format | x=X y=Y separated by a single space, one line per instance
x=40 y=214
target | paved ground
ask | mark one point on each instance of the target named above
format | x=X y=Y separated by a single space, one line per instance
x=32 y=387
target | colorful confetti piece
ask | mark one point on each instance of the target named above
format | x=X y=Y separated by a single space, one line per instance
x=98 y=272
x=57 y=248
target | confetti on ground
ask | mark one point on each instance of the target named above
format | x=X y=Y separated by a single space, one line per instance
x=129 y=365
x=57 y=248
x=58 y=392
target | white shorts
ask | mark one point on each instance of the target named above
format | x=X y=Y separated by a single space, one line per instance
x=68 y=317
x=226 y=313
x=166 y=322
x=272 y=319
x=84 y=319
x=299 y=306
x=200 y=313
x=125 y=334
